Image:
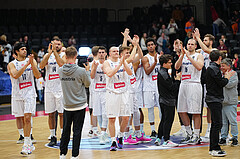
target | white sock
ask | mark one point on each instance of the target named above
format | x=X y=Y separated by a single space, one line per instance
x=182 y=127
x=141 y=127
x=61 y=131
x=94 y=130
x=130 y=127
x=31 y=131
x=52 y=131
x=152 y=127
x=138 y=133
x=91 y=127
x=196 y=132
x=188 y=130
x=103 y=132
x=120 y=134
x=126 y=135
x=20 y=131
x=27 y=141
x=113 y=139
x=209 y=127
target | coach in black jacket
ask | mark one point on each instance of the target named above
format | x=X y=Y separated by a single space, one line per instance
x=214 y=98
x=167 y=98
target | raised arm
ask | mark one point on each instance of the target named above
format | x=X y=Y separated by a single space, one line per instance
x=44 y=61
x=93 y=69
x=146 y=66
x=35 y=70
x=196 y=36
x=59 y=60
x=108 y=70
x=197 y=64
x=14 y=72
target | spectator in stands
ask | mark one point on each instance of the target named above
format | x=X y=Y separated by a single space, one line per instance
x=222 y=47
x=153 y=30
x=190 y=25
x=172 y=28
x=235 y=62
x=28 y=44
x=45 y=42
x=72 y=41
x=160 y=22
x=41 y=53
x=216 y=21
x=177 y=15
x=162 y=42
x=5 y=50
x=235 y=21
x=223 y=37
x=189 y=36
x=143 y=44
x=163 y=30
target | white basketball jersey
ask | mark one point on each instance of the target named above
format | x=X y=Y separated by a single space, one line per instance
x=23 y=87
x=100 y=79
x=92 y=80
x=189 y=72
x=150 y=81
x=206 y=58
x=118 y=82
x=132 y=80
x=139 y=78
x=53 y=83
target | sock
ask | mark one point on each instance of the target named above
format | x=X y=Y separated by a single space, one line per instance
x=209 y=127
x=182 y=127
x=120 y=134
x=141 y=127
x=126 y=135
x=113 y=139
x=31 y=132
x=94 y=130
x=52 y=131
x=91 y=127
x=27 y=141
x=103 y=132
x=188 y=130
x=138 y=133
x=20 y=131
x=130 y=127
x=152 y=127
x=196 y=132
x=61 y=131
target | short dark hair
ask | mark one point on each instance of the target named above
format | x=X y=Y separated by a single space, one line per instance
x=95 y=50
x=210 y=36
x=71 y=52
x=56 y=38
x=214 y=55
x=150 y=39
x=18 y=46
x=164 y=59
x=102 y=48
x=122 y=48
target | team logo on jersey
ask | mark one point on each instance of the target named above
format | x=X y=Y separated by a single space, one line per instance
x=119 y=85
x=100 y=85
x=154 y=77
x=132 y=81
x=25 y=85
x=54 y=76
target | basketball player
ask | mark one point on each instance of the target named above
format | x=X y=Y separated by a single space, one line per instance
x=53 y=90
x=117 y=104
x=151 y=67
x=190 y=91
x=21 y=71
x=99 y=92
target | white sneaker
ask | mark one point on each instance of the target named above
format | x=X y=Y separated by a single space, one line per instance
x=106 y=138
x=181 y=132
x=63 y=156
x=169 y=143
x=102 y=139
x=74 y=157
x=49 y=137
x=26 y=150
x=218 y=153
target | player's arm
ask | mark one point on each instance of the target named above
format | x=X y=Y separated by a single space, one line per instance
x=127 y=68
x=132 y=56
x=108 y=70
x=197 y=64
x=139 y=53
x=59 y=60
x=146 y=66
x=35 y=70
x=44 y=61
x=178 y=64
x=135 y=66
x=196 y=35
x=14 y=72
x=93 y=69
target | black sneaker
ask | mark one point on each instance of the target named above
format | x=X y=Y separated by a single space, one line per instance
x=113 y=146
x=20 y=140
x=186 y=139
x=153 y=134
x=32 y=139
x=218 y=153
x=53 y=141
x=222 y=142
x=234 y=142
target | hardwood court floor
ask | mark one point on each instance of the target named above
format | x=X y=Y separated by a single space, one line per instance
x=10 y=150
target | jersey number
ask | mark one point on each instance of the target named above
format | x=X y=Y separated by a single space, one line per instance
x=186 y=69
x=101 y=78
x=156 y=70
x=54 y=69
x=24 y=77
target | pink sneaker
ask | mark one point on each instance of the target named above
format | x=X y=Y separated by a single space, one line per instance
x=143 y=139
x=130 y=141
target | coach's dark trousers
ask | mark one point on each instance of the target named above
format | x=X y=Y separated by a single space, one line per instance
x=166 y=122
x=77 y=118
x=216 y=117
